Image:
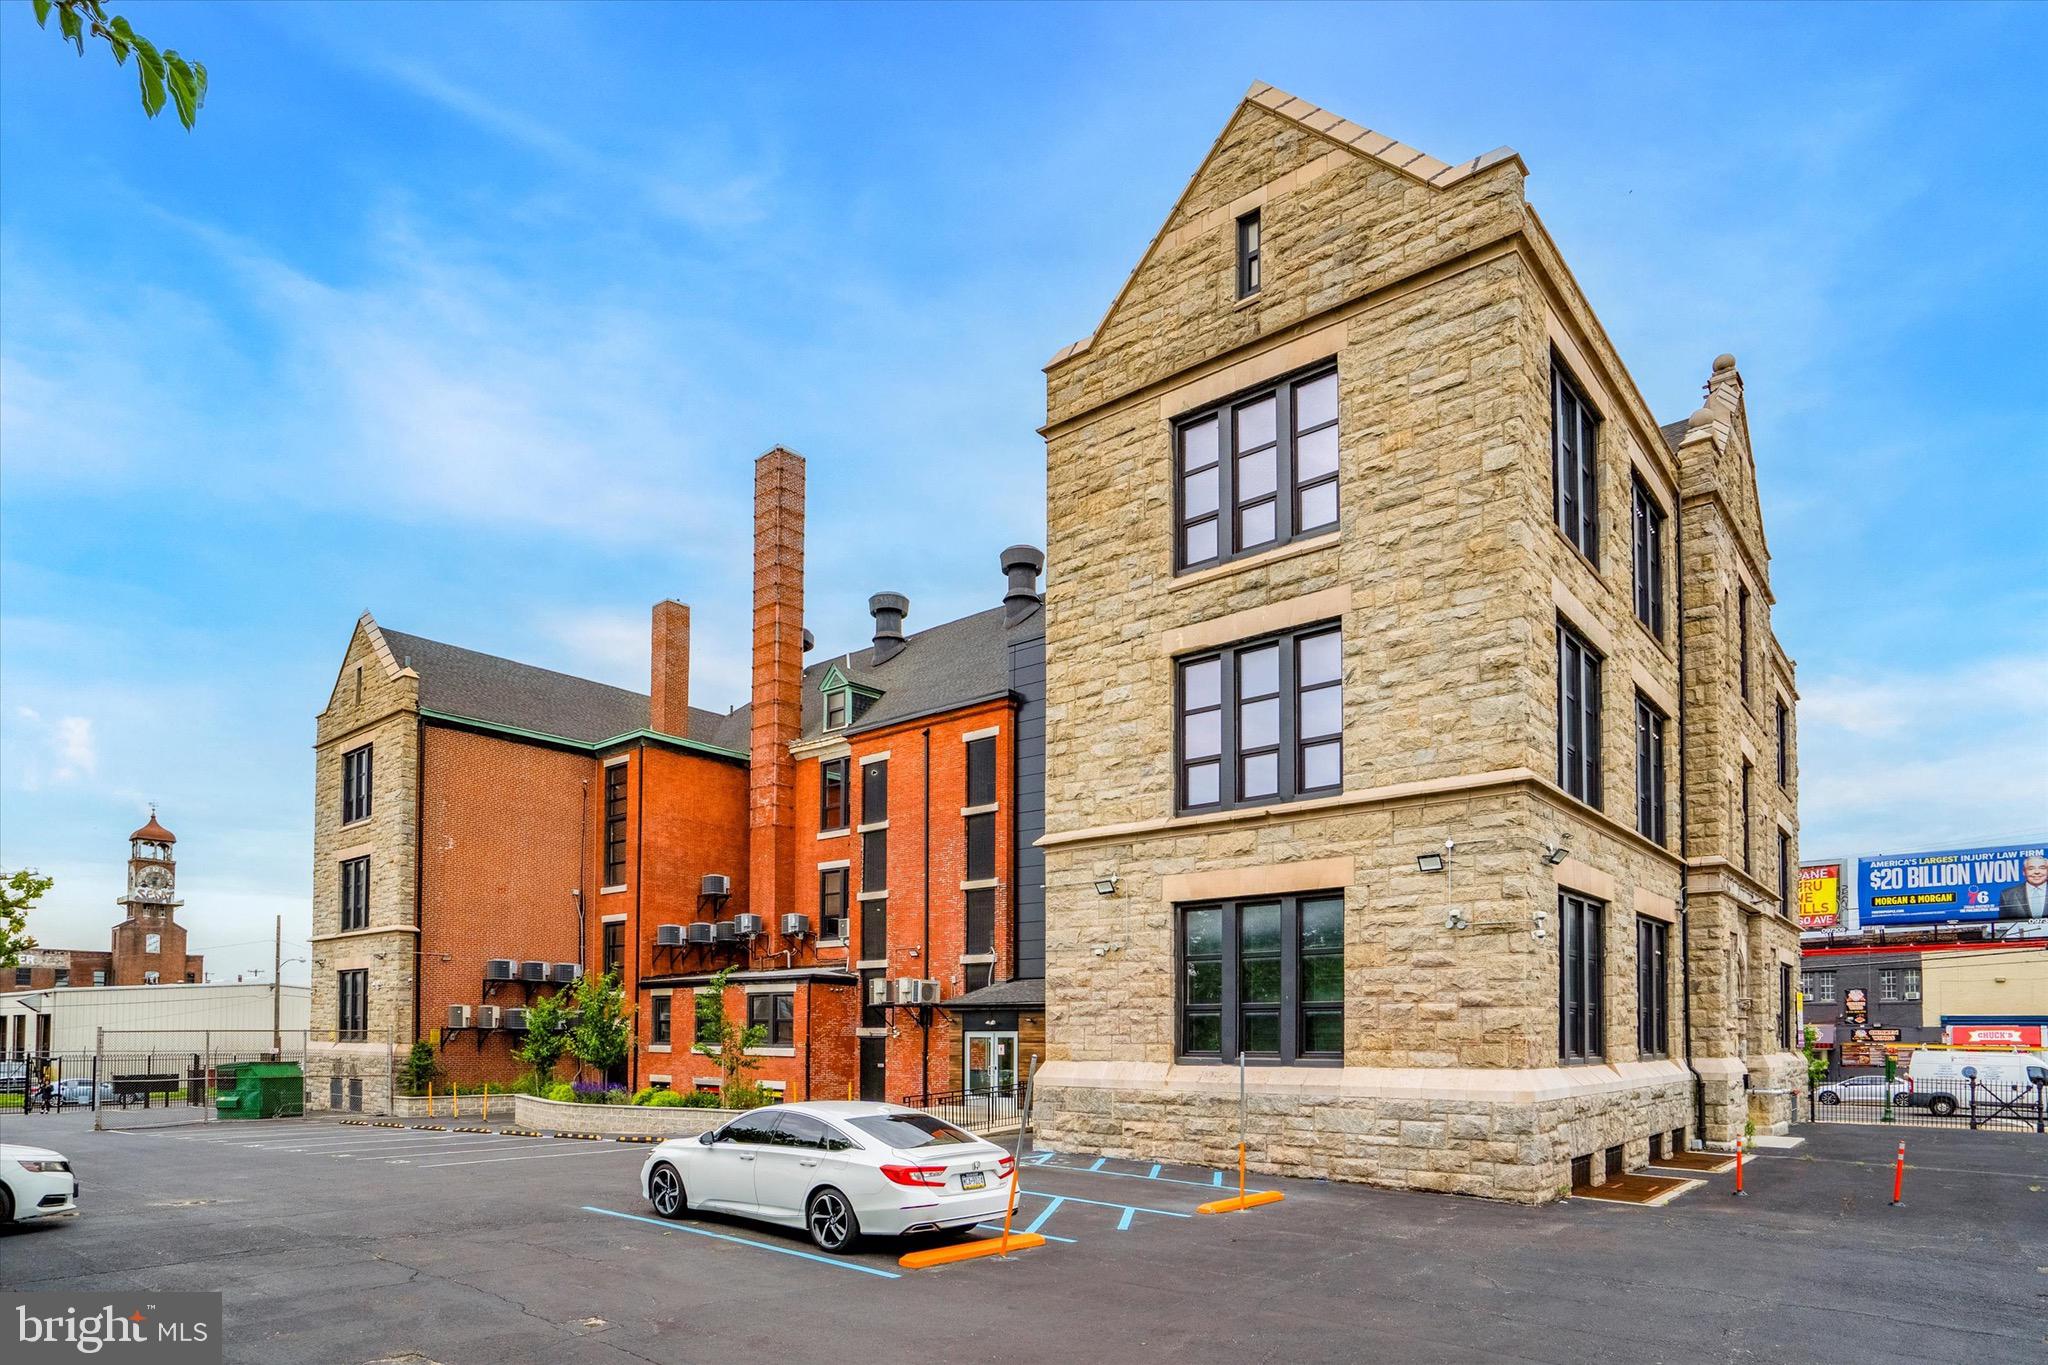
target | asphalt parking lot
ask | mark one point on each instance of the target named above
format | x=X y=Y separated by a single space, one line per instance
x=336 y=1243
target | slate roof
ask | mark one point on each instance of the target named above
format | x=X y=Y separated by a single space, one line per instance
x=1674 y=434
x=939 y=669
x=483 y=687
x=1021 y=994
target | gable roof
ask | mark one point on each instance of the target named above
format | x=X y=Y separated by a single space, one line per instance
x=1340 y=132
x=483 y=687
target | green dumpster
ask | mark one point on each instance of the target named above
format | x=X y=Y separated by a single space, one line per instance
x=265 y=1090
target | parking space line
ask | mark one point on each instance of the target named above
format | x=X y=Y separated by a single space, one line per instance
x=1047 y=1212
x=998 y=1227
x=413 y=1154
x=1137 y=1175
x=1123 y=1224
x=578 y=1149
x=1099 y=1163
x=1101 y=1204
x=747 y=1242
x=1155 y=1172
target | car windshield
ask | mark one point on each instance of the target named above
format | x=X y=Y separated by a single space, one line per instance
x=907 y=1131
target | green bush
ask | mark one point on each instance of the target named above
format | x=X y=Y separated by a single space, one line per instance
x=667 y=1099
x=562 y=1092
x=746 y=1095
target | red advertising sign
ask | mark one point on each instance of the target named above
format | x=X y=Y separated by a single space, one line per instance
x=1996 y=1035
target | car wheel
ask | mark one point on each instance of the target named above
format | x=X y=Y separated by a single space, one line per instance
x=1828 y=1097
x=830 y=1221
x=665 y=1192
x=6 y=1206
x=1941 y=1106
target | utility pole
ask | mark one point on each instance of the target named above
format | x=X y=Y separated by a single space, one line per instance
x=277 y=995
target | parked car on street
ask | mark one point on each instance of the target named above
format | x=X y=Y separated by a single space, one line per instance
x=35 y=1182
x=837 y=1169
x=1860 y=1090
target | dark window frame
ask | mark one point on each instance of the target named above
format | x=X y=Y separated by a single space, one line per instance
x=978 y=929
x=1784 y=873
x=1578 y=716
x=874 y=860
x=1288 y=484
x=1290 y=747
x=835 y=794
x=358 y=772
x=834 y=895
x=661 y=1019
x=838 y=708
x=355 y=893
x=615 y=824
x=980 y=850
x=874 y=931
x=1292 y=1010
x=352 y=1005
x=780 y=1021
x=1582 y=979
x=612 y=937
x=1784 y=729
x=1574 y=462
x=1742 y=638
x=1250 y=254
x=874 y=791
x=981 y=771
x=1653 y=987
x=1785 y=1025
x=1748 y=819
x=1646 y=544
x=1652 y=799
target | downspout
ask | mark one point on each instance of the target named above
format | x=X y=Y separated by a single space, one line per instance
x=807 y=1037
x=1699 y=1085
x=924 y=1012
x=582 y=874
x=632 y=937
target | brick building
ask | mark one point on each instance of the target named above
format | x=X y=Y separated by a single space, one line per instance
x=856 y=843
x=1417 y=728
x=148 y=945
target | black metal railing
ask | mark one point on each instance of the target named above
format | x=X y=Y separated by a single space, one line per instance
x=2013 y=1107
x=978 y=1111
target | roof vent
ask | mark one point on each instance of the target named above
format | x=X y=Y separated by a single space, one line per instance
x=888 y=609
x=1021 y=563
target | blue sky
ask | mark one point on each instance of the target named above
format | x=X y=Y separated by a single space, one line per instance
x=475 y=317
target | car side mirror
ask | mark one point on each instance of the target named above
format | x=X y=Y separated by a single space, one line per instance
x=707 y=1137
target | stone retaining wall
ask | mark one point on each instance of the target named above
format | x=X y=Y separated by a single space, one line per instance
x=612 y=1120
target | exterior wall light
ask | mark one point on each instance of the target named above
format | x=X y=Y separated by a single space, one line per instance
x=1553 y=854
x=1105 y=886
x=1429 y=862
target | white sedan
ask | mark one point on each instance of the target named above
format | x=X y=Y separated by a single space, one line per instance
x=837 y=1169
x=35 y=1182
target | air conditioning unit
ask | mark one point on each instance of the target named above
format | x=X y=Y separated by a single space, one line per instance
x=668 y=936
x=458 y=1016
x=915 y=991
x=717 y=884
x=567 y=973
x=878 y=990
x=500 y=969
x=795 y=926
x=725 y=931
x=701 y=934
x=749 y=926
x=513 y=1019
x=487 y=1016
x=832 y=928
x=533 y=971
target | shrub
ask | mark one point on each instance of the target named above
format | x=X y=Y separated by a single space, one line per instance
x=597 y=1092
x=745 y=1094
x=667 y=1099
x=419 y=1069
x=699 y=1099
x=561 y=1092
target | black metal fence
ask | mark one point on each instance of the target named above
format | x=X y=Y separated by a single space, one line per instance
x=2016 y=1107
x=978 y=1111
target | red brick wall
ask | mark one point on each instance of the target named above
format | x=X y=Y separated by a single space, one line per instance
x=822 y=1068
x=778 y=670
x=130 y=958
x=669 y=703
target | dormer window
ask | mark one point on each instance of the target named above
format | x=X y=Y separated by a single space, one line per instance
x=845 y=701
x=838 y=709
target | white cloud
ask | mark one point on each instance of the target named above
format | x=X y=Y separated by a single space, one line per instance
x=61 y=750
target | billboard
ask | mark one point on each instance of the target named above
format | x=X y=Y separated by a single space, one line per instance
x=1820 y=895
x=1995 y=1035
x=2004 y=887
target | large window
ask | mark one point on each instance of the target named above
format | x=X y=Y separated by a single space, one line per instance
x=1650 y=804
x=615 y=825
x=1653 y=987
x=981 y=921
x=1262 y=722
x=1265 y=977
x=1582 y=988
x=981 y=846
x=1647 y=541
x=874 y=860
x=355 y=893
x=1784 y=728
x=775 y=1016
x=874 y=931
x=1257 y=472
x=834 y=808
x=1578 y=716
x=981 y=771
x=1248 y=255
x=874 y=792
x=352 y=999
x=1910 y=982
x=355 y=784
x=1574 y=441
x=1742 y=637
x=1819 y=987
x=660 y=1017
x=1888 y=985
x=832 y=904
x=615 y=949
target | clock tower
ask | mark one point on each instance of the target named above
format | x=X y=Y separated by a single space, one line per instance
x=149 y=946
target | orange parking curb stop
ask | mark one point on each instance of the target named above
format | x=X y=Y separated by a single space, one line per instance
x=969 y=1251
x=1244 y=1200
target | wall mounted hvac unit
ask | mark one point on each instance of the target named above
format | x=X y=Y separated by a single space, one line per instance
x=458 y=1016
x=716 y=886
x=725 y=931
x=566 y=973
x=701 y=934
x=487 y=1016
x=500 y=969
x=878 y=990
x=668 y=935
x=748 y=926
x=533 y=971
x=795 y=926
x=832 y=928
x=915 y=991
x=513 y=1019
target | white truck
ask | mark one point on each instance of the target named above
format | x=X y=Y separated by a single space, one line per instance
x=1938 y=1080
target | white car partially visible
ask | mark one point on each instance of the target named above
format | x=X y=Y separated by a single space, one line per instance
x=837 y=1169
x=35 y=1182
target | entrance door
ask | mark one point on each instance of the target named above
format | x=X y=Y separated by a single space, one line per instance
x=874 y=1076
x=991 y=1064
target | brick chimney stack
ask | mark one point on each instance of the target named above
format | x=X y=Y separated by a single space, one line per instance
x=668 y=709
x=778 y=681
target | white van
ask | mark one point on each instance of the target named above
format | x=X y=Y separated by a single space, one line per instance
x=1935 y=1080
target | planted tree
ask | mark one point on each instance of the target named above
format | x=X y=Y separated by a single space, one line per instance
x=420 y=1069
x=18 y=895
x=602 y=1032
x=726 y=1042
x=547 y=1038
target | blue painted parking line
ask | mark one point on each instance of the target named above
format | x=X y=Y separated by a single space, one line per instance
x=1155 y=1172
x=1219 y=1178
x=1123 y=1224
x=1099 y=1163
x=1103 y=1204
x=746 y=1242
x=1041 y=1158
x=998 y=1227
x=1136 y=1175
x=1043 y=1214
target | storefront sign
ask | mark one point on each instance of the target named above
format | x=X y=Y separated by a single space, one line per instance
x=1820 y=896
x=1882 y=1035
x=1862 y=1054
x=2006 y=887
x=1996 y=1035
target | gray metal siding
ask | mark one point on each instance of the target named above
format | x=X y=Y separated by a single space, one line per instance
x=1027 y=680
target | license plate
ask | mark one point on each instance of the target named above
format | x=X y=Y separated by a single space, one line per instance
x=973 y=1180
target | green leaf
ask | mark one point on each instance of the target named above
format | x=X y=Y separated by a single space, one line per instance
x=42 y=13
x=199 y=84
x=149 y=71
x=179 y=77
x=72 y=28
x=120 y=37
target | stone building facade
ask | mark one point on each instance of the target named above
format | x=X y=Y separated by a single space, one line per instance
x=1373 y=567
